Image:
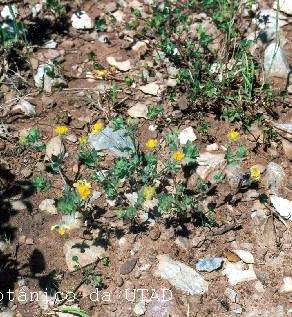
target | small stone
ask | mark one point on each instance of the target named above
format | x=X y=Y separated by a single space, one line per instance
x=155 y=234
x=171 y=82
x=18 y=205
x=7 y=14
x=26 y=172
x=150 y=89
x=232 y=295
x=140 y=110
x=245 y=256
x=209 y=264
x=122 y=66
x=212 y=147
x=274 y=178
x=24 y=106
x=119 y=281
x=187 y=135
x=237 y=273
x=287 y=147
x=287 y=285
x=283 y=206
x=183 y=243
x=140 y=308
x=71 y=138
x=140 y=48
x=55 y=147
x=111 y=7
x=48 y=102
x=87 y=252
x=29 y=241
x=128 y=266
x=236 y=308
x=48 y=206
x=81 y=20
x=7 y=313
x=284 y=5
x=181 y=276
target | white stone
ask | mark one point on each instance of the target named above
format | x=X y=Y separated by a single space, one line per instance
x=140 y=308
x=48 y=206
x=26 y=107
x=212 y=147
x=119 y=15
x=275 y=62
x=132 y=198
x=86 y=251
x=287 y=285
x=236 y=272
x=122 y=66
x=81 y=20
x=55 y=147
x=171 y=82
x=181 y=276
x=284 y=5
x=36 y=9
x=7 y=313
x=245 y=256
x=259 y=287
x=186 y=135
x=209 y=163
x=140 y=110
x=74 y=221
x=140 y=48
x=71 y=138
x=7 y=14
x=283 y=206
x=150 y=89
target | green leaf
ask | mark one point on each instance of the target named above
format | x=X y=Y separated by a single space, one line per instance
x=75 y=311
x=191 y=152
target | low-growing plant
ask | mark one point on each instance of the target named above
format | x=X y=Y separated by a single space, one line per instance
x=32 y=139
x=40 y=183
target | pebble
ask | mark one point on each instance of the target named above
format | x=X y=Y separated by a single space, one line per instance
x=81 y=20
x=29 y=241
x=119 y=281
x=48 y=206
x=283 y=206
x=150 y=89
x=187 y=135
x=155 y=234
x=55 y=147
x=128 y=266
x=209 y=264
x=139 y=110
x=212 y=147
x=122 y=66
x=237 y=272
x=71 y=138
x=140 y=308
x=287 y=147
x=26 y=172
x=245 y=256
x=111 y=7
x=287 y=285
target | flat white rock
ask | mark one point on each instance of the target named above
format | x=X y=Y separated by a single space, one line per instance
x=48 y=206
x=86 y=251
x=283 y=206
x=276 y=62
x=236 y=272
x=186 y=135
x=245 y=256
x=140 y=308
x=150 y=89
x=81 y=20
x=287 y=285
x=138 y=111
x=8 y=12
x=181 y=276
x=55 y=147
x=26 y=107
x=122 y=66
x=284 y=5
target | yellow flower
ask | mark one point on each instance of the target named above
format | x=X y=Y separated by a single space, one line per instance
x=233 y=135
x=97 y=127
x=151 y=144
x=178 y=155
x=255 y=173
x=148 y=192
x=83 y=140
x=62 y=229
x=100 y=73
x=61 y=129
x=83 y=188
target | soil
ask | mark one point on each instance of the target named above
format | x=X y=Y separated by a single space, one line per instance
x=31 y=264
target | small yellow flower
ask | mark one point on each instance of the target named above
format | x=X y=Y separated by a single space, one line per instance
x=148 y=192
x=97 y=127
x=233 y=135
x=61 y=229
x=101 y=73
x=255 y=173
x=83 y=188
x=151 y=144
x=178 y=155
x=83 y=140
x=61 y=129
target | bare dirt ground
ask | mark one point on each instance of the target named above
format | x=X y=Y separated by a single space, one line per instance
x=33 y=256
